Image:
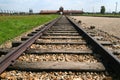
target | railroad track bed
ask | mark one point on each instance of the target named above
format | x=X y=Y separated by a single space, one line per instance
x=60 y=53
x=112 y=43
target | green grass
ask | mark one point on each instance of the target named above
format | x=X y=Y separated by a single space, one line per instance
x=12 y=26
x=102 y=15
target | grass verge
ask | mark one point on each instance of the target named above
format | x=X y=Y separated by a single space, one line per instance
x=12 y=26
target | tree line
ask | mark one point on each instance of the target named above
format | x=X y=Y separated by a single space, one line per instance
x=12 y=12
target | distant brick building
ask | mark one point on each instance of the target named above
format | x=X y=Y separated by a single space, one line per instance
x=61 y=11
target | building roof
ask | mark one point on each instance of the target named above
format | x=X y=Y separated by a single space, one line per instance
x=73 y=11
x=61 y=9
x=48 y=11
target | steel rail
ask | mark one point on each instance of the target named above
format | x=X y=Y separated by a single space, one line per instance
x=109 y=60
x=10 y=58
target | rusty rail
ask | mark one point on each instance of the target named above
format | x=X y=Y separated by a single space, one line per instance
x=10 y=58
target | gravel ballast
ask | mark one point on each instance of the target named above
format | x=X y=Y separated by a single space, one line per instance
x=58 y=47
x=62 y=40
x=58 y=57
x=18 y=75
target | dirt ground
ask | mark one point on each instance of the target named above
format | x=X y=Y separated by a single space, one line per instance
x=109 y=25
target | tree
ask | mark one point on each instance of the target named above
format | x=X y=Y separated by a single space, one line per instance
x=30 y=11
x=102 y=11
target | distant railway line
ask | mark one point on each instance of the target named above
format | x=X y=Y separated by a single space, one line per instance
x=62 y=45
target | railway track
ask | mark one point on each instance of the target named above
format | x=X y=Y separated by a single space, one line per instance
x=60 y=48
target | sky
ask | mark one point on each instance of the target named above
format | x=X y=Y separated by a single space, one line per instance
x=37 y=5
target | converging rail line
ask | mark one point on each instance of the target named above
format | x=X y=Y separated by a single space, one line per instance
x=61 y=45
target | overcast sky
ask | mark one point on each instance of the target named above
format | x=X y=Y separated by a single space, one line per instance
x=37 y=5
